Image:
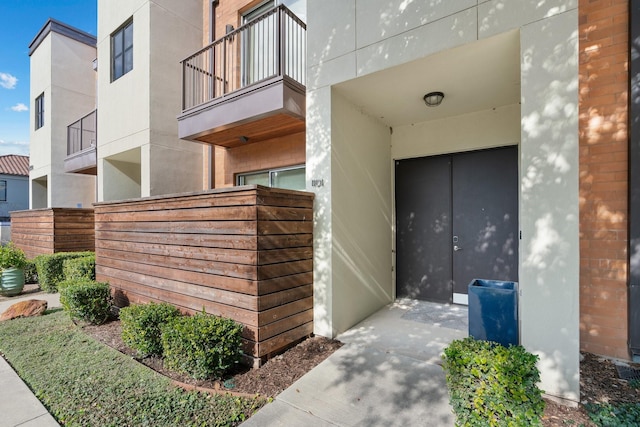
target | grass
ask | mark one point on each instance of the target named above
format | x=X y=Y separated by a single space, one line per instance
x=84 y=383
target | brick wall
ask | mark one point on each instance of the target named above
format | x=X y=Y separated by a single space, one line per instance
x=275 y=153
x=230 y=12
x=603 y=83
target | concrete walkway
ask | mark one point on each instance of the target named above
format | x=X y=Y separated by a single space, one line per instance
x=18 y=405
x=388 y=373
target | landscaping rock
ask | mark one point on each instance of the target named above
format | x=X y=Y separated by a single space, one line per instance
x=28 y=308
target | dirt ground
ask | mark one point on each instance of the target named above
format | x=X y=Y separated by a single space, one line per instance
x=599 y=382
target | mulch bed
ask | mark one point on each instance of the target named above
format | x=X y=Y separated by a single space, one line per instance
x=269 y=380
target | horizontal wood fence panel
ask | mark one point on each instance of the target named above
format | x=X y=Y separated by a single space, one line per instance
x=47 y=231
x=220 y=282
x=177 y=239
x=246 y=257
x=240 y=271
x=245 y=253
x=249 y=302
x=284 y=325
x=200 y=200
x=285 y=241
x=271 y=213
x=194 y=227
x=230 y=213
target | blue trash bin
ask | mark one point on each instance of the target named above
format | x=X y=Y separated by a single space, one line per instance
x=493 y=311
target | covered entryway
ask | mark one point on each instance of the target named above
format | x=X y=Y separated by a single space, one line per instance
x=456 y=220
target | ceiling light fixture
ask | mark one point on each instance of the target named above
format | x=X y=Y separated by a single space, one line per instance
x=433 y=99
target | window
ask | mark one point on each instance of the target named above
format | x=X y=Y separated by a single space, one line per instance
x=258 y=54
x=122 y=51
x=39 y=110
x=3 y=190
x=290 y=178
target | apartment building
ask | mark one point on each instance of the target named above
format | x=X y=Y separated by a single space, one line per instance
x=63 y=102
x=444 y=141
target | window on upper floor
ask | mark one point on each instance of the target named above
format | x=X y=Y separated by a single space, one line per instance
x=122 y=51
x=3 y=190
x=39 y=111
x=292 y=178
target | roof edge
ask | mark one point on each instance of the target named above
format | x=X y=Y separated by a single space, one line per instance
x=64 y=29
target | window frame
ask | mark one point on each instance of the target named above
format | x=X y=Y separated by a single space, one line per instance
x=241 y=176
x=119 y=71
x=3 y=190
x=39 y=111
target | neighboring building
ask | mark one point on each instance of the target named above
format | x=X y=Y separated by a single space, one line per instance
x=14 y=184
x=63 y=92
x=14 y=190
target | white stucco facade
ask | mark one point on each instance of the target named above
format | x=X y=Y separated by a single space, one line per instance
x=61 y=70
x=369 y=63
x=139 y=153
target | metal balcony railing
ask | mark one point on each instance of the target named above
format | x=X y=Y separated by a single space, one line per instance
x=81 y=135
x=272 y=45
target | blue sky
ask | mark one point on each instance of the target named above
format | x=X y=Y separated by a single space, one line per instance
x=20 y=21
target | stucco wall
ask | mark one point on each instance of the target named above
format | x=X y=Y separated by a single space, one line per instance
x=483 y=129
x=138 y=110
x=62 y=69
x=349 y=39
x=361 y=214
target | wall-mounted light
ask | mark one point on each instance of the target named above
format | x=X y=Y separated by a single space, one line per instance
x=433 y=99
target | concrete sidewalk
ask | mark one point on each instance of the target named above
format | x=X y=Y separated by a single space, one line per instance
x=18 y=405
x=388 y=373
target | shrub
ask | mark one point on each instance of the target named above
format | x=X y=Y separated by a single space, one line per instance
x=30 y=272
x=614 y=415
x=491 y=385
x=86 y=300
x=12 y=257
x=141 y=326
x=202 y=345
x=50 y=268
x=80 y=268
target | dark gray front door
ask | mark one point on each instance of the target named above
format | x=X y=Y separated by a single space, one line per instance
x=457 y=219
x=423 y=233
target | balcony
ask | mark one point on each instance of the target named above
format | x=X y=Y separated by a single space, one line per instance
x=81 y=146
x=248 y=86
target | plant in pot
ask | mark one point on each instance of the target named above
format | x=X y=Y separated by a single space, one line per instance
x=12 y=262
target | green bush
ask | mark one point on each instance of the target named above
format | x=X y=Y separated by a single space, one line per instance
x=80 y=268
x=202 y=345
x=12 y=257
x=491 y=385
x=30 y=272
x=86 y=300
x=50 y=268
x=141 y=326
x=614 y=415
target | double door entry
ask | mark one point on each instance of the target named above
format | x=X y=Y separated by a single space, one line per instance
x=456 y=220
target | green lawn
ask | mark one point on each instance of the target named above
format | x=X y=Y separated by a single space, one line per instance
x=85 y=383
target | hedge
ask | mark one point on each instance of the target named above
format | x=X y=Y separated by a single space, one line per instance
x=50 y=268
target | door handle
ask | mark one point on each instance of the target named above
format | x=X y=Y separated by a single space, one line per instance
x=457 y=248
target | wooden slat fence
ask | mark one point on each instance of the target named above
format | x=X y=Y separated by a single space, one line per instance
x=245 y=253
x=47 y=231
